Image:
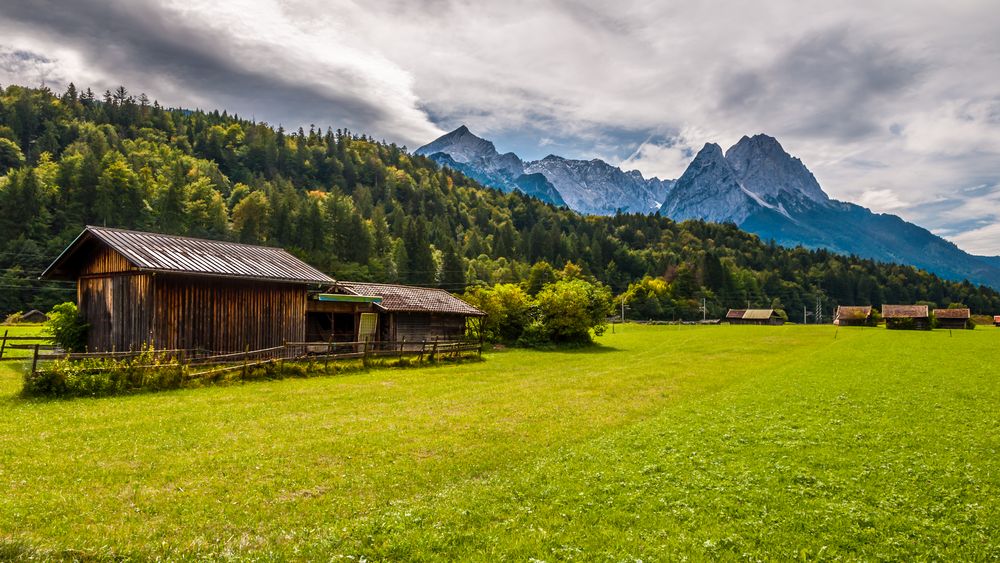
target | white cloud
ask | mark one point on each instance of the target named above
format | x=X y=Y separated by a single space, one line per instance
x=982 y=240
x=881 y=200
x=891 y=106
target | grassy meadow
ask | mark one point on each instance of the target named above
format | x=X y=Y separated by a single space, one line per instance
x=663 y=443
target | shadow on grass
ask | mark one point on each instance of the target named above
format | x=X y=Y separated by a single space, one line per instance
x=576 y=349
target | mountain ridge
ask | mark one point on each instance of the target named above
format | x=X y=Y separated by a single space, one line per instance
x=754 y=184
x=589 y=186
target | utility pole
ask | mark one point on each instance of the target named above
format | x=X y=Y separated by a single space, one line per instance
x=623 y=309
x=804 y=313
x=704 y=309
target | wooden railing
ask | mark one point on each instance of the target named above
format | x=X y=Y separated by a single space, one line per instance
x=21 y=348
x=325 y=352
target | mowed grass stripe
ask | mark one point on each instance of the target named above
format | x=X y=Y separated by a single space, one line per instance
x=362 y=438
x=333 y=465
x=891 y=458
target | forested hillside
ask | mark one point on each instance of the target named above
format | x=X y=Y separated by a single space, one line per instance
x=361 y=209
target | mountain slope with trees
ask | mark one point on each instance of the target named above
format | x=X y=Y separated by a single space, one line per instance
x=361 y=209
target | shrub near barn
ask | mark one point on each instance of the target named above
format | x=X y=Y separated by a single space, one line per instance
x=565 y=311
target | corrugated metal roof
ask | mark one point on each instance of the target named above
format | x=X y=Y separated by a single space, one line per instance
x=904 y=311
x=735 y=313
x=405 y=298
x=952 y=313
x=175 y=254
x=758 y=314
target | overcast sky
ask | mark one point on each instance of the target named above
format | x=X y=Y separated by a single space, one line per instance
x=892 y=104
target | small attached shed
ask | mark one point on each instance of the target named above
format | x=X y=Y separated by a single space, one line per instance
x=849 y=315
x=754 y=317
x=412 y=313
x=136 y=289
x=953 y=318
x=906 y=317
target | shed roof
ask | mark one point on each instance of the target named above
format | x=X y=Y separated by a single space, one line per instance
x=904 y=311
x=758 y=314
x=952 y=313
x=854 y=312
x=184 y=255
x=735 y=313
x=410 y=299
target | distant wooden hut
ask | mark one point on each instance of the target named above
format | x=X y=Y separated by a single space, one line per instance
x=848 y=315
x=33 y=316
x=754 y=317
x=953 y=318
x=136 y=289
x=412 y=313
x=906 y=317
x=996 y=320
x=735 y=315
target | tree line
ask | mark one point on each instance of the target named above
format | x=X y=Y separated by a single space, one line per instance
x=363 y=209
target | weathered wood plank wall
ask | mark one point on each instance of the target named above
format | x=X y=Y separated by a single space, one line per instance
x=128 y=309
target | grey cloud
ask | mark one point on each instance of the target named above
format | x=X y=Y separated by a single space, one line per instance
x=832 y=84
x=141 y=45
x=22 y=63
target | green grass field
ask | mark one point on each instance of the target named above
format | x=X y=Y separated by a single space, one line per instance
x=664 y=443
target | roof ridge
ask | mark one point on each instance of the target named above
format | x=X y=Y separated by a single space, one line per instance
x=92 y=228
x=424 y=287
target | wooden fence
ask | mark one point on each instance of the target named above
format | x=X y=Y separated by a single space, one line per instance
x=325 y=352
x=21 y=348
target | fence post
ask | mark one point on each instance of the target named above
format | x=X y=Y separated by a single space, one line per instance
x=402 y=345
x=434 y=351
x=246 y=356
x=3 y=344
x=34 y=361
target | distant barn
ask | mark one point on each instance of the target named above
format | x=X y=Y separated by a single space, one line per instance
x=136 y=289
x=996 y=320
x=912 y=317
x=848 y=315
x=412 y=313
x=33 y=316
x=754 y=317
x=953 y=318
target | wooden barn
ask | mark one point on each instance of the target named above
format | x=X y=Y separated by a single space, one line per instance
x=136 y=289
x=996 y=320
x=754 y=317
x=33 y=316
x=953 y=318
x=848 y=315
x=412 y=313
x=906 y=317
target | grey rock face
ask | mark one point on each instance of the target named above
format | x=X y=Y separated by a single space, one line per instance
x=595 y=187
x=588 y=186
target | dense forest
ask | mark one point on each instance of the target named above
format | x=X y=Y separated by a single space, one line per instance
x=367 y=210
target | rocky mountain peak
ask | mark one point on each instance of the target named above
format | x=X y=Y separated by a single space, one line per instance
x=461 y=145
x=764 y=168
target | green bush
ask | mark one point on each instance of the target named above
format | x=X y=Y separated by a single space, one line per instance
x=100 y=377
x=67 y=328
x=565 y=311
x=507 y=308
x=569 y=310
